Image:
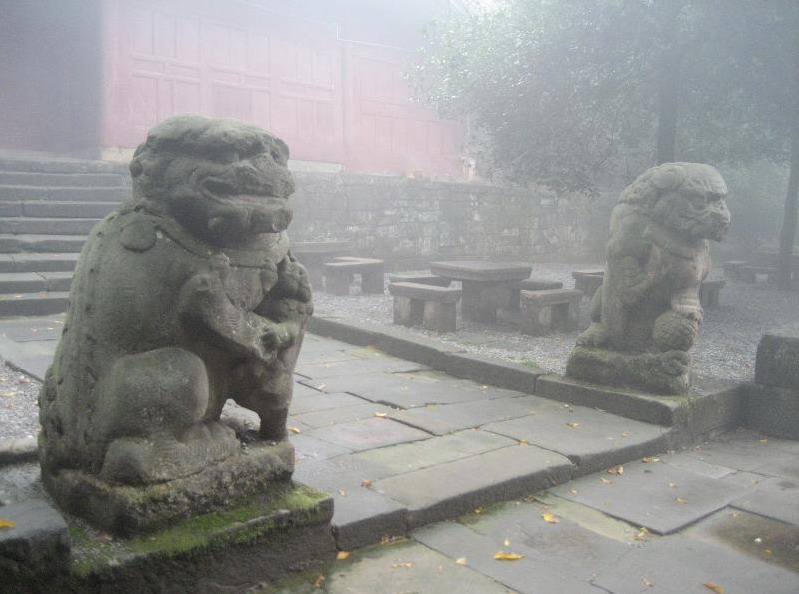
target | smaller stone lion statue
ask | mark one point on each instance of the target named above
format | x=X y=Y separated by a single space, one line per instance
x=183 y=298
x=647 y=313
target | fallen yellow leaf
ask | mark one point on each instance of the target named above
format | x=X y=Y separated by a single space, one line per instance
x=503 y=556
x=642 y=534
x=550 y=518
x=573 y=491
x=460 y=561
x=673 y=485
x=294 y=429
x=573 y=425
x=650 y=459
x=319 y=581
x=366 y=482
x=647 y=583
x=625 y=434
x=5 y=523
x=404 y=564
x=524 y=442
x=380 y=414
x=714 y=586
x=681 y=500
x=478 y=511
x=342 y=555
x=616 y=470
x=605 y=481
x=321 y=386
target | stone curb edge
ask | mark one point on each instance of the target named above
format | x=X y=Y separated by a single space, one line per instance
x=418 y=349
x=17 y=451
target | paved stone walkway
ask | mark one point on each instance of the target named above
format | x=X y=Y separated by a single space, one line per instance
x=401 y=447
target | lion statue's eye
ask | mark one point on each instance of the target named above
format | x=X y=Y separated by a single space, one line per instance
x=698 y=202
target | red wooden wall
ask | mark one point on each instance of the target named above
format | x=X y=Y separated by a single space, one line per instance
x=330 y=100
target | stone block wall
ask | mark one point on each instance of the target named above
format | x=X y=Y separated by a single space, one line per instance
x=413 y=220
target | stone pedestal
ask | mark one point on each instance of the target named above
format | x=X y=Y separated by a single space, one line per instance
x=773 y=403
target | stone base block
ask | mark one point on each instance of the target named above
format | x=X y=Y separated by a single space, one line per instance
x=440 y=317
x=127 y=510
x=262 y=540
x=778 y=358
x=773 y=411
x=657 y=373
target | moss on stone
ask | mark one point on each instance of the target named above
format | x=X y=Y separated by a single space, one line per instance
x=292 y=504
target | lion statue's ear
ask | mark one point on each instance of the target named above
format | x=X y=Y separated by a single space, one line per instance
x=668 y=177
x=135 y=166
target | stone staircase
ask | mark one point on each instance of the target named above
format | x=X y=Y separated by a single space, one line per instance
x=47 y=208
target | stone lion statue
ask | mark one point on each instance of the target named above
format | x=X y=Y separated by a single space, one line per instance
x=647 y=313
x=183 y=298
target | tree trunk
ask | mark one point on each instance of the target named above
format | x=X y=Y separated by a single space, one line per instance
x=785 y=261
x=668 y=102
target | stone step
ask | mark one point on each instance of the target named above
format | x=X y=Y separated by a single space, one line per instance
x=11 y=244
x=57 y=209
x=33 y=304
x=93 y=194
x=61 y=180
x=57 y=165
x=38 y=262
x=34 y=282
x=47 y=226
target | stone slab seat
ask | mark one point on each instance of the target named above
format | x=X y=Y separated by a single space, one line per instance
x=423 y=279
x=550 y=310
x=748 y=272
x=710 y=292
x=339 y=275
x=529 y=284
x=434 y=307
x=315 y=254
x=588 y=281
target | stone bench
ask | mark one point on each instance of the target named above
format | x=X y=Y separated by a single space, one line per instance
x=748 y=273
x=552 y=310
x=732 y=269
x=315 y=254
x=340 y=274
x=434 y=307
x=529 y=284
x=588 y=281
x=710 y=292
x=422 y=279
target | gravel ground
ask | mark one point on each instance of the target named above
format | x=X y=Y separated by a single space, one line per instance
x=725 y=348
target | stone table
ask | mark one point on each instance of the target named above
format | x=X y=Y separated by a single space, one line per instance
x=314 y=254
x=486 y=285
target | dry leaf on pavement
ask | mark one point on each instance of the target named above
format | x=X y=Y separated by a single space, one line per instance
x=550 y=518
x=714 y=586
x=6 y=523
x=342 y=555
x=504 y=556
x=616 y=470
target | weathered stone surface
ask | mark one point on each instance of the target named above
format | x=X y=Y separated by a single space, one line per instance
x=184 y=297
x=344 y=414
x=443 y=419
x=407 y=567
x=407 y=457
x=36 y=549
x=363 y=517
x=776 y=498
x=450 y=489
x=530 y=575
x=311 y=449
x=368 y=433
x=647 y=313
x=658 y=496
x=692 y=563
x=230 y=550
x=494 y=372
x=773 y=410
x=778 y=358
x=593 y=440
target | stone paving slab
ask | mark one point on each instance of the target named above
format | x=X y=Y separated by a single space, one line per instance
x=443 y=419
x=355 y=366
x=409 y=457
x=564 y=547
x=591 y=439
x=680 y=565
x=688 y=460
x=367 y=434
x=746 y=450
x=655 y=495
x=363 y=517
x=307 y=400
x=449 y=489
x=751 y=534
x=309 y=449
x=529 y=575
x=332 y=416
x=406 y=568
x=776 y=498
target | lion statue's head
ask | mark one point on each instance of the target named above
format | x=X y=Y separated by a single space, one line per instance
x=687 y=198
x=223 y=180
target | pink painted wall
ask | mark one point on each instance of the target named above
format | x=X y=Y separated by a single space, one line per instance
x=331 y=100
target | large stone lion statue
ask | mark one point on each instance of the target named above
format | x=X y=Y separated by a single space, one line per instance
x=183 y=298
x=647 y=313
